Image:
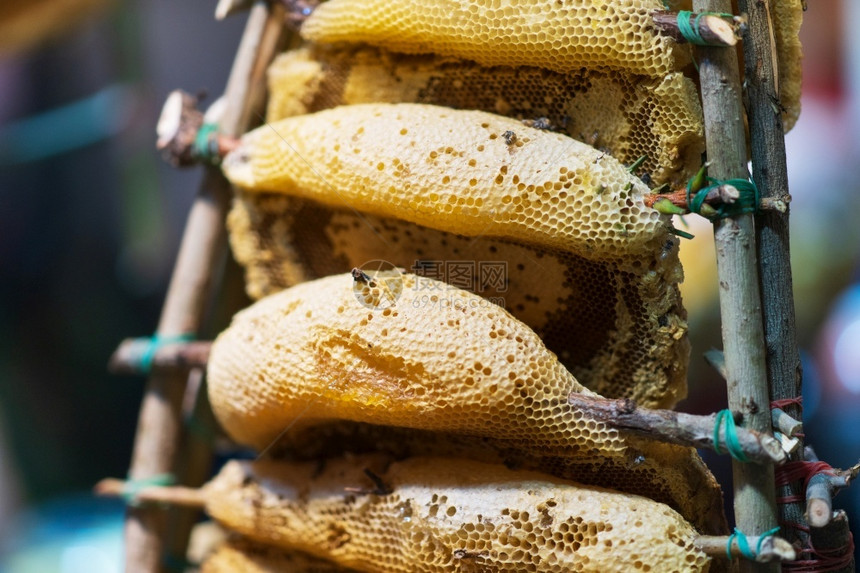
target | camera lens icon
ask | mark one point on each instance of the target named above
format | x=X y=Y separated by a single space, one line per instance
x=377 y=284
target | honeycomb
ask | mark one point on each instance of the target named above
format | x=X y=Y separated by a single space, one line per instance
x=787 y=18
x=240 y=555
x=465 y=172
x=562 y=36
x=434 y=515
x=627 y=116
x=617 y=325
x=615 y=320
x=424 y=355
x=327 y=350
x=667 y=474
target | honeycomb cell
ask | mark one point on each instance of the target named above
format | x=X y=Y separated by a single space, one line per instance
x=562 y=36
x=505 y=520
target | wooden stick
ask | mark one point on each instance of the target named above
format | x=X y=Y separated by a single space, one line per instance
x=714 y=30
x=296 y=11
x=789 y=445
x=675 y=427
x=740 y=301
x=194 y=464
x=202 y=251
x=722 y=195
x=767 y=141
x=155 y=494
x=773 y=549
x=820 y=490
x=785 y=423
x=717 y=361
x=819 y=498
x=177 y=355
x=178 y=126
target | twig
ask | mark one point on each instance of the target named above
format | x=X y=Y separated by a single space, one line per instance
x=674 y=427
x=178 y=129
x=717 y=361
x=297 y=11
x=789 y=444
x=772 y=548
x=819 y=497
x=713 y=29
x=820 y=490
x=722 y=195
x=785 y=423
x=740 y=301
x=178 y=355
x=170 y=495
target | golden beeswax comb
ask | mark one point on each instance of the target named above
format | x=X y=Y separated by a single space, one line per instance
x=401 y=351
x=560 y=36
x=671 y=475
x=438 y=514
x=239 y=555
x=460 y=171
x=628 y=116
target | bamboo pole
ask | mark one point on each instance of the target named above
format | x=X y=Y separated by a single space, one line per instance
x=740 y=302
x=772 y=232
x=202 y=251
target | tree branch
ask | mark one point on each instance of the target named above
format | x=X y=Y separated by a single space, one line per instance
x=675 y=427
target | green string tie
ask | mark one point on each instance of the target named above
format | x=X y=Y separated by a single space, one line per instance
x=733 y=445
x=690 y=32
x=156 y=342
x=206 y=144
x=747 y=202
x=744 y=545
x=133 y=487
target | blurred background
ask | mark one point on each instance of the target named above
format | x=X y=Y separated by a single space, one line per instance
x=90 y=220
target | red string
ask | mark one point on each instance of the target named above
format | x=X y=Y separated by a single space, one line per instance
x=787 y=402
x=821 y=560
x=795 y=471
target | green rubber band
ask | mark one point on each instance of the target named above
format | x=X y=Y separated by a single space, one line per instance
x=748 y=201
x=691 y=32
x=156 y=342
x=133 y=487
x=206 y=144
x=765 y=535
x=744 y=545
x=733 y=445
